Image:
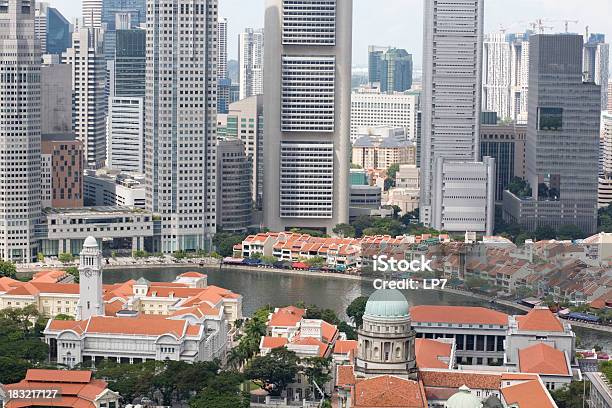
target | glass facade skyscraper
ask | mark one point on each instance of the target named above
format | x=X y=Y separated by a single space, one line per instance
x=130 y=62
x=136 y=9
x=389 y=68
x=58 y=32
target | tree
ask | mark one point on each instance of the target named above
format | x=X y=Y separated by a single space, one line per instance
x=8 y=269
x=356 y=310
x=544 y=232
x=74 y=271
x=222 y=391
x=572 y=395
x=347 y=329
x=275 y=370
x=65 y=257
x=519 y=187
x=40 y=257
x=570 y=231
x=316 y=261
x=62 y=316
x=316 y=370
x=140 y=254
x=344 y=230
x=225 y=241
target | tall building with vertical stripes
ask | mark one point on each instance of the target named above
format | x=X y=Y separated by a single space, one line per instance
x=307 y=99
x=20 y=155
x=181 y=120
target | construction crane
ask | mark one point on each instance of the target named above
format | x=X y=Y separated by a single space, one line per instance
x=541 y=27
x=566 y=23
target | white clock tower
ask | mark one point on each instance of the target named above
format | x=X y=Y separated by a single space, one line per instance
x=91 y=302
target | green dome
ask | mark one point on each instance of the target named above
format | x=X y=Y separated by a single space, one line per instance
x=463 y=399
x=387 y=303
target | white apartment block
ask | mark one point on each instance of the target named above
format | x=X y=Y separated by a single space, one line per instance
x=372 y=109
x=307 y=113
x=180 y=121
x=222 y=45
x=40 y=24
x=88 y=81
x=452 y=71
x=20 y=143
x=111 y=189
x=605 y=180
x=250 y=61
x=125 y=134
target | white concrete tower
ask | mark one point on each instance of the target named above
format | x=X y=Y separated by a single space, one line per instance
x=91 y=302
x=181 y=121
x=250 y=62
x=222 y=66
x=19 y=131
x=307 y=99
x=452 y=74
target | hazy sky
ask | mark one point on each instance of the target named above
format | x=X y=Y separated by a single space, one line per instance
x=398 y=22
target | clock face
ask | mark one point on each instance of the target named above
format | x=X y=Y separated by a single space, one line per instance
x=88 y=272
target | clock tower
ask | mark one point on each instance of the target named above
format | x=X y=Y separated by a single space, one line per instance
x=91 y=302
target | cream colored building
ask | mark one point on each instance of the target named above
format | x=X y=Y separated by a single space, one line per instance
x=371 y=152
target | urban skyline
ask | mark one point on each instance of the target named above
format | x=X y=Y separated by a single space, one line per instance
x=404 y=29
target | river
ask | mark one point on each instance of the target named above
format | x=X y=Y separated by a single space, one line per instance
x=260 y=288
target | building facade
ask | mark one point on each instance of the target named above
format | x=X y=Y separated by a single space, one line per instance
x=506 y=144
x=451 y=99
x=61 y=171
x=56 y=98
x=89 y=102
x=20 y=93
x=371 y=152
x=234 y=198
x=604 y=197
x=562 y=147
x=92 y=13
x=52 y=29
x=596 y=64
x=250 y=61
x=307 y=113
x=395 y=71
x=114 y=189
x=180 y=121
x=369 y=109
x=120 y=14
x=222 y=45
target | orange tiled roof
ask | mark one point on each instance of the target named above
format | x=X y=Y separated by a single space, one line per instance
x=389 y=391
x=7 y=283
x=48 y=276
x=273 y=342
x=345 y=375
x=429 y=352
x=529 y=394
x=310 y=341
x=54 y=376
x=328 y=331
x=455 y=379
x=201 y=310
x=286 y=317
x=345 y=346
x=543 y=359
x=539 y=319
x=192 y=275
x=457 y=314
x=111 y=308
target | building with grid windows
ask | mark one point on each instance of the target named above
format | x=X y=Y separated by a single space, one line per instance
x=307 y=113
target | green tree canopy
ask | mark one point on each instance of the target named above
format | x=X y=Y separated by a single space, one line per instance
x=344 y=230
x=275 y=370
x=356 y=310
x=225 y=241
x=8 y=269
x=544 y=232
x=570 y=231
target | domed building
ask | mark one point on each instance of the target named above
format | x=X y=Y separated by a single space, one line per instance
x=463 y=399
x=386 y=339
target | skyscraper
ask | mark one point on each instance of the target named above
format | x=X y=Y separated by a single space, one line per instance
x=222 y=65
x=180 y=121
x=389 y=69
x=125 y=124
x=120 y=14
x=396 y=71
x=20 y=207
x=234 y=201
x=505 y=75
x=250 y=60
x=307 y=113
x=596 y=61
x=452 y=67
x=92 y=13
x=562 y=148
x=89 y=103
x=52 y=29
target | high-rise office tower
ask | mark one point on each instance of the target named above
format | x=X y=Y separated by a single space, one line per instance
x=117 y=15
x=92 y=13
x=89 y=100
x=605 y=179
x=396 y=71
x=562 y=148
x=222 y=45
x=596 y=64
x=234 y=203
x=609 y=97
x=519 y=76
x=250 y=60
x=452 y=68
x=20 y=208
x=56 y=99
x=389 y=69
x=180 y=121
x=307 y=100
x=52 y=29
x=125 y=123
